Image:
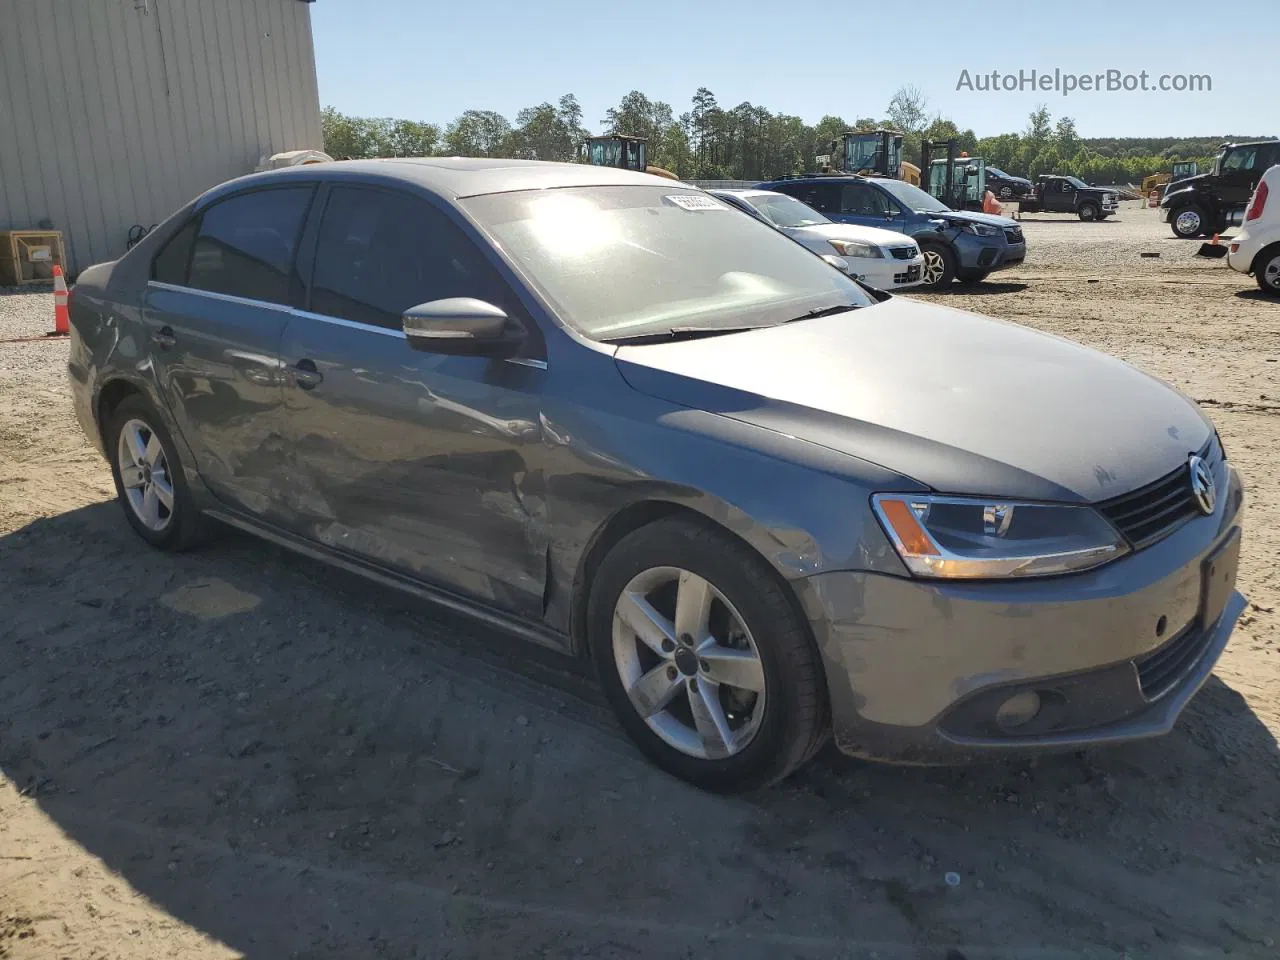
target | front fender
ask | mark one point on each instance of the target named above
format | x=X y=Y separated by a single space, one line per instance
x=1181 y=197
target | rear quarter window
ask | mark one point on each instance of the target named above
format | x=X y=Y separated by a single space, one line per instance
x=170 y=264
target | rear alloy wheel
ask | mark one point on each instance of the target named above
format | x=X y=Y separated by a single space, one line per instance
x=1267 y=271
x=939 y=267
x=1188 y=222
x=704 y=658
x=149 y=481
x=1088 y=211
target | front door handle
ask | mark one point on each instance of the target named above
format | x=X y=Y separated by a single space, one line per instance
x=305 y=374
x=164 y=338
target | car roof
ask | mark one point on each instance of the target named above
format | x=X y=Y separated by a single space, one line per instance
x=456 y=177
x=816 y=178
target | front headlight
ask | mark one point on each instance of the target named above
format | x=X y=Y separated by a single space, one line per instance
x=983 y=230
x=964 y=538
x=850 y=248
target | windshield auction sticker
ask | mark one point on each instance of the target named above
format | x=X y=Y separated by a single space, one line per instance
x=691 y=201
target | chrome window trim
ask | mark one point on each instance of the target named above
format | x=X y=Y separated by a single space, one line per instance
x=224 y=297
x=308 y=315
x=349 y=324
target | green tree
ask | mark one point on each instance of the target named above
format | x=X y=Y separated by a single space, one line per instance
x=1065 y=138
x=1039 y=126
x=478 y=133
x=908 y=109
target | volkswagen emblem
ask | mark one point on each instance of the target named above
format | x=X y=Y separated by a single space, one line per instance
x=1202 y=485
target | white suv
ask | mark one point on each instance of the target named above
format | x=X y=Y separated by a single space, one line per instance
x=1256 y=249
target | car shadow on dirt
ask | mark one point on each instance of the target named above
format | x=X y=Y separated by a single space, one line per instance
x=1259 y=296
x=982 y=288
x=301 y=764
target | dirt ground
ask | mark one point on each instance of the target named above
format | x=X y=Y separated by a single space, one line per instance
x=238 y=752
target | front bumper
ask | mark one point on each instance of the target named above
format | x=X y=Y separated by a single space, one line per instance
x=916 y=670
x=890 y=273
x=988 y=253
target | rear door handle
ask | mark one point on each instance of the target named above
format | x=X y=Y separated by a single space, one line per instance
x=164 y=338
x=305 y=374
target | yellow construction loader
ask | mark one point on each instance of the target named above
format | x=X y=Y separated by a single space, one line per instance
x=622 y=151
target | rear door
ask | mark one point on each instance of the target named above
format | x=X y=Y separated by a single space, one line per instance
x=214 y=311
x=424 y=463
x=823 y=197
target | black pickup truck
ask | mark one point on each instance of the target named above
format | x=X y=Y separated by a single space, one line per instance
x=1209 y=203
x=1054 y=194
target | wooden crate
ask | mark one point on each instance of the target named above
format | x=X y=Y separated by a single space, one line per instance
x=28 y=256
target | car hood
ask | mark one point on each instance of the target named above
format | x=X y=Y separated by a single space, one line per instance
x=847 y=231
x=970 y=216
x=961 y=403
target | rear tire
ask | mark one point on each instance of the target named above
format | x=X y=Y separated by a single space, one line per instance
x=149 y=478
x=1088 y=212
x=1189 y=221
x=779 y=727
x=939 y=266
x=1266 y=270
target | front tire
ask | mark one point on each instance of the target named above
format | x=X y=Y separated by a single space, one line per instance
x=704 y=658
x=149 y=480
x=939 y=267
x=1006 y=192
x=1266 y=270
x=1189 y=221
x=1088 y=212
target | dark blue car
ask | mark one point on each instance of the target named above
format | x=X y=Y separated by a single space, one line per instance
x=957 y=245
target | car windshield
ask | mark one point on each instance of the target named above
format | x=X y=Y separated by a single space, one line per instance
x=626 y=261
x=784 y=211
x=1076 y=182
x=913 y=198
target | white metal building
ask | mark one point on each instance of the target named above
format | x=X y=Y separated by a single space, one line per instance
x=113 y=113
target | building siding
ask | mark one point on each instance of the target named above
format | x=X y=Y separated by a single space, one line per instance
x=116 y=112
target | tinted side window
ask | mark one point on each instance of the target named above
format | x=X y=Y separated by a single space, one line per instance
x=170 y=264
x=379 y=253
x=246 y=244
x=864 y=200
x=823 y=197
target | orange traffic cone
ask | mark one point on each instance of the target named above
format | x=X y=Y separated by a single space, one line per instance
x=61 y=313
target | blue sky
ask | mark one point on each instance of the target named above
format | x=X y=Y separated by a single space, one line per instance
x=406 y=58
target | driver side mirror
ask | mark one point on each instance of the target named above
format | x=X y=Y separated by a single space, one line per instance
x=840 y=263
x=462 y=326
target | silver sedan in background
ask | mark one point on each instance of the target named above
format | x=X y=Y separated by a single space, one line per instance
x=613 y=416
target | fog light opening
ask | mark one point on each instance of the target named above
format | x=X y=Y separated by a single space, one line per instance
x=1018 y=710
x=1161 y=625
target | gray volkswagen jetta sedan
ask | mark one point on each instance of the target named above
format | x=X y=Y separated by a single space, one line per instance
x=610 y=414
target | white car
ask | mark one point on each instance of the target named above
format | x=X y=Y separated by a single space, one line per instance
x=884 y=259
x=1256 y=248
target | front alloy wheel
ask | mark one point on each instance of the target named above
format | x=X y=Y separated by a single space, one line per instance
x=705 y=657
x=938 y=268
x=688 y=663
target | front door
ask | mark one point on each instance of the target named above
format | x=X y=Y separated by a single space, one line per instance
x=424 y=463
x=215 y=309
x=1060 y=196
x=864 y=204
